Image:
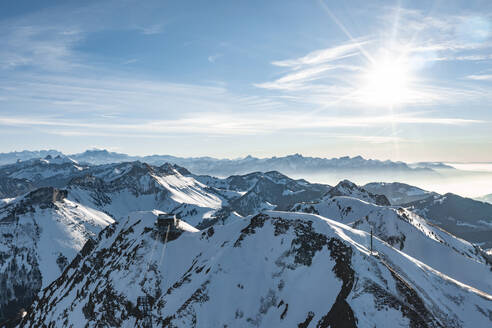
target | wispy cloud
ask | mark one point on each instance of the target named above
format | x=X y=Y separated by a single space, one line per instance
x=130 y=61
x=90 y=96
x=483 y=77
x=213 y=58
x=324 y=55
x=43 y=47
x=299 y=78
x=374 y=139
x=223 y=124
x=47 y=39
x=151 y=29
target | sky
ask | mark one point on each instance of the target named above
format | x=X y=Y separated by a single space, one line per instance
x=399 y=80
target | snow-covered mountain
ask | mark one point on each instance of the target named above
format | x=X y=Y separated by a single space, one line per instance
x=271 y=190
x=411 y=234
x=464 y=217
x=199 y=200
x=348 y=188
x=41 y=233
x=276 y=269
x=119 y=188
x=16 y=179
x=122 y=188
x=398 y=193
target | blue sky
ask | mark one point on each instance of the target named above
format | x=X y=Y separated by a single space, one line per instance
x=400 y=80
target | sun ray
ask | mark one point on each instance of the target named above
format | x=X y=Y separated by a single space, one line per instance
x=345 y=30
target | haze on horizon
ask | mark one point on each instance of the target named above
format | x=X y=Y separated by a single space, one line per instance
x=399 y=80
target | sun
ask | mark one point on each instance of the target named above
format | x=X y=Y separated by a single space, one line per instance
x=387 y=81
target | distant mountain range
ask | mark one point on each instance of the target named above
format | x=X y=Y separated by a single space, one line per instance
x=431 y=165
x=290 y=164
x=133 y=244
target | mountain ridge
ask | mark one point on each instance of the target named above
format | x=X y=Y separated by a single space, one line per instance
x=226 y=167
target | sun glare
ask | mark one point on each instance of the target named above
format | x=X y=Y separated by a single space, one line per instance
x=386 y=82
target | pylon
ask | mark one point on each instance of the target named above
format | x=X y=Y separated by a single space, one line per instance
x=371 y=241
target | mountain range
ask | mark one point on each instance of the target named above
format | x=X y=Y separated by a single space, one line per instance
x=225 y=167
x=131 y=244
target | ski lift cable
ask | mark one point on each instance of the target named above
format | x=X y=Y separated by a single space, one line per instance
x=162 y=256
x=154 y=245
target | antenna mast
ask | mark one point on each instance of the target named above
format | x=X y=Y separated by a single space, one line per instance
x=371 y=241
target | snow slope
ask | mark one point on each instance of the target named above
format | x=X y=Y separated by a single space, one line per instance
x=276 y=269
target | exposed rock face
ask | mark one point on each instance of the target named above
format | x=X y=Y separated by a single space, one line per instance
x=45 y=196
x=20 y=280
x=11 y=187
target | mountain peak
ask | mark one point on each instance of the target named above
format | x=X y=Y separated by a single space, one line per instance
x=348 y=188
x=169 y=168
x=345 y=185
